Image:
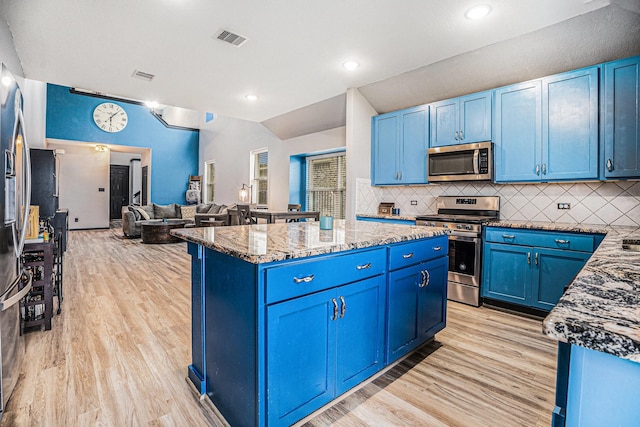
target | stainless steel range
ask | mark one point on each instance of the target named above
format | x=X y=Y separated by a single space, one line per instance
x=463 y=217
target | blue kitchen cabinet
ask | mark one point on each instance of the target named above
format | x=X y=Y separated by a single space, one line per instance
x=417 y=306
x=466 y=119
x=532 y=268
x=547 y=130
x=345 y=348
x=399 y=147
x=570 y=126
x=621 y=117
x=507 y=271
x=518 y=132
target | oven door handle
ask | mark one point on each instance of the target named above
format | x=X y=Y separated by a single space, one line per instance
x=467 y=237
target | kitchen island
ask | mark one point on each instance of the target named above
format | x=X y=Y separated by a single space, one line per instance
x=287 y=317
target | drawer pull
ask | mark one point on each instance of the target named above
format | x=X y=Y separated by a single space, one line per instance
x=536 y=258
x=425 y=278
x=562 y=242
x=437 y=248
x=407 y=256
x=363 y=266
x=344 y=307
x=529 y=258
x=303 y=279
x=335 y=309
x=508 y=236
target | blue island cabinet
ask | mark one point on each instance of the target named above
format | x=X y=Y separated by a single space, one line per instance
x=274 y=342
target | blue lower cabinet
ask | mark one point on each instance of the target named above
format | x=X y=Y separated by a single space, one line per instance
x=333 y=339
x=532 y=268
x=417 y=306
x=602 y=390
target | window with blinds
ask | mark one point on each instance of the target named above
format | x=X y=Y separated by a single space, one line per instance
x=260 y=177
x=209 y=181
x=327 y=183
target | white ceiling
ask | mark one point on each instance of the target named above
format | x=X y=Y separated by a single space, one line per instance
x=293 y=55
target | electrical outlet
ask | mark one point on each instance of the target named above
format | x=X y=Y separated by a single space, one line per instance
x=414 y=203
x=76 y=220
x=564 y=205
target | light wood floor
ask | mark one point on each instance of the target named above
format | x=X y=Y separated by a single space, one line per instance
x=118 y=356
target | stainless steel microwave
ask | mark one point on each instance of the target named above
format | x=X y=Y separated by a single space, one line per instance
x=462 y=162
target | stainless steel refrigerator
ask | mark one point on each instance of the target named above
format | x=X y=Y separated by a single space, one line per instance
x=14 y=200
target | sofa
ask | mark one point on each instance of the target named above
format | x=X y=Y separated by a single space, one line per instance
x=194 y=215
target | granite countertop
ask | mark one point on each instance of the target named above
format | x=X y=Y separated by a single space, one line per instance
x=403 y=217
x=601 y=308
x=263 y=243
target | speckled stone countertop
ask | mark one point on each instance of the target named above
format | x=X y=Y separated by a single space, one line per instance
x=403 y=217
x=601 y=308
x=264 y=243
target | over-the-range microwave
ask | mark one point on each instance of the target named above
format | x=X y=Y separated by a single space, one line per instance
x=463 y=162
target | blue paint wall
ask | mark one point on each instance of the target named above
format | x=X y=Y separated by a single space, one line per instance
x=174 y=152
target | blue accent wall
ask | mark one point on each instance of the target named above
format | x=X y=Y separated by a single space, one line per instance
x=174 y=152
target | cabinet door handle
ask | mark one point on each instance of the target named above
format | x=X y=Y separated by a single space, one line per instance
x=335 y=309
x=306 y=279
x=536 y=259
x=537 y=169
x=437 y=248
x=461 y=136
x=425 y=278
x=508 y=236
x=544 y=169
x=562 y=241
x=400 y=175
x=344 y=307
x=529 y=258
x=407 y=256
x=609 y=165
x=363 y=266
x=456 y=135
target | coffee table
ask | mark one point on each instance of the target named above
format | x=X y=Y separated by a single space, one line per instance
x=158 y=231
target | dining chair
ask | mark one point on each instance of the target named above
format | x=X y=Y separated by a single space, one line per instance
x=244 y=215
x=293 y=207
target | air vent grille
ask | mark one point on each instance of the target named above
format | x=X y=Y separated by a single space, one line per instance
x=231 y=38
x=142 y=75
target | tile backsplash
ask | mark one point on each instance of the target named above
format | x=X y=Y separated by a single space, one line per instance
x=602 y=203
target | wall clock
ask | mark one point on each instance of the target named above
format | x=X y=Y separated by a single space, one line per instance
x=110 y=117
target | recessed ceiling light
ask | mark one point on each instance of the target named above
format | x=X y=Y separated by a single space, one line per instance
x=478 y=12
x=6 y=80
x=351 y=65
x=151 y=104
x=251 y=98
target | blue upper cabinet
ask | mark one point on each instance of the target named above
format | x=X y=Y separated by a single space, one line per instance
x=399 y=147
x=570 y=126
x=547 y=130
x=621 y=117
x=518 y=125
x=461 y=120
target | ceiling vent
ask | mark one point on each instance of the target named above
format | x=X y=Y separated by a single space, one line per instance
x=231 y=38
x=142 y=75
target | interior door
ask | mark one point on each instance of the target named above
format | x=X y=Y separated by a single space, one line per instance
x=119 y=190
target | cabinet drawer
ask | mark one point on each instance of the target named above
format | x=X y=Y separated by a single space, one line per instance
x=304 y=277
x=544 y=239
x=405 y=254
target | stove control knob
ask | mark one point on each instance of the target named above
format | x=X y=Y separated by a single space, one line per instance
x=433 y=224
x=459 y=226
x=467 y=227
x=445 y=226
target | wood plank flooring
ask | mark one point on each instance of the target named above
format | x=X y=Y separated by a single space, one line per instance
x=118 y=353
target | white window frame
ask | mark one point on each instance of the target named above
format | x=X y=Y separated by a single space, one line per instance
x=310 y=158
x=206 y=181
x=252 y=174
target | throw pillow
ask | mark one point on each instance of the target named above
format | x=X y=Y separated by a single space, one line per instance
x=164 y=211
x=136 y=214
x=143 y=214
x=203 y=208
x=214 y=209
x=223 y=209
x=188 y=212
